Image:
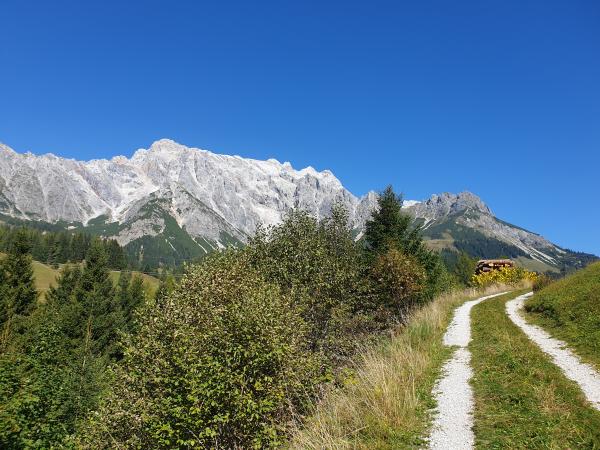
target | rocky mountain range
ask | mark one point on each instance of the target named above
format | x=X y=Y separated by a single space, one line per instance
x=170 y=203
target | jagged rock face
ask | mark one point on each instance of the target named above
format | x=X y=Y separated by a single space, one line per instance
x=204 y=192
x=442 y=205
x=175 y=200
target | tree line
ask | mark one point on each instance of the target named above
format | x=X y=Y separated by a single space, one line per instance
x=60 y=247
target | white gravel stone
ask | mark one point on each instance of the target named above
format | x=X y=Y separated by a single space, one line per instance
x=583 y=374
x=453 y=421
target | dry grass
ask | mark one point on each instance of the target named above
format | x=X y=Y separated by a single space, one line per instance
x=387 y=405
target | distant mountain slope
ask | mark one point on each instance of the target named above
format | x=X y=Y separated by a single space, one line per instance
x=171 y=203
x=463 y=222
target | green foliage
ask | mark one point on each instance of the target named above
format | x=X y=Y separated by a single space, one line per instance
x=52 y=370
x=100 y=314
x=390 y=228
x=400 y=280
x=165 y=287
x=46 y=384
x=322 y=269
x=59 y=247
x=464 y=269
x=18 y=295
x=225 y=358
x=541 y=282
x=570 y=309
x=220 y=363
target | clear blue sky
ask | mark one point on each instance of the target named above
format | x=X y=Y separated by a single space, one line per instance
x=498 y=97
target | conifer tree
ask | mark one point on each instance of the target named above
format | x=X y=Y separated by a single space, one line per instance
x=116 y=256
x=390 y=228
x=465 y=268
x=18 y=294
x=136 y=297
x=102 y=316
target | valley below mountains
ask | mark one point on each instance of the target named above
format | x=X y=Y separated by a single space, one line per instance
x=170 y=203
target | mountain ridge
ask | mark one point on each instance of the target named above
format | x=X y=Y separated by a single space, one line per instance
x=170 y=203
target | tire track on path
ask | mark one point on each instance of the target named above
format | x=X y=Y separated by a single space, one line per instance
x=453 y=420
x=583 y=374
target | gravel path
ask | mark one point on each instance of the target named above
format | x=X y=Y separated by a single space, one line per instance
x=583 y=374
x=453 y=421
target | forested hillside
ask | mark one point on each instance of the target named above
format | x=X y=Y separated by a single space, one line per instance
x=59 y=247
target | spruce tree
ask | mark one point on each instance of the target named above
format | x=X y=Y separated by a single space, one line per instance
x=136 y=297
x=465 y=268
x=19 y=293
x=390 y=228
x=116 y=256
x=102 y=316
x=50 y=377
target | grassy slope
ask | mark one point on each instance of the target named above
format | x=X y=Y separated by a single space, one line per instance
x=522 y=400
x=150 y=283
x=45 y=277
x=570 y=310
x=387 y=406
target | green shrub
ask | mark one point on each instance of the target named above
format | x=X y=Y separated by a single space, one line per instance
x=400 y=280
x=322 y=269
x=219 y=362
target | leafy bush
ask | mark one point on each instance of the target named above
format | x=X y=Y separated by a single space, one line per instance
x=219 y=362
x=504 y=275
x=400 y=279
x=322 y=269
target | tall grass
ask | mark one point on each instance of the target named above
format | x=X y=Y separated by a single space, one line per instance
x=387 y=403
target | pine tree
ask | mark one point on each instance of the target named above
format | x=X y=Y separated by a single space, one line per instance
x=18 y=295
x=116 y=256
x=136 y=297
x=50 y=378
x=21 y=292
x=95 y=293
x=390 y=228
x=465 y=268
